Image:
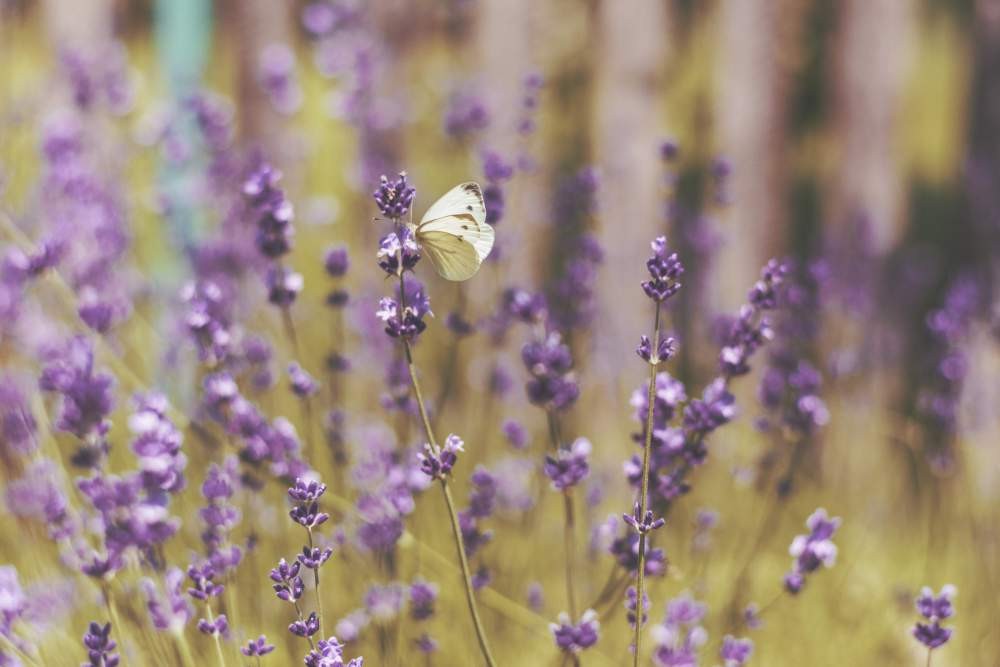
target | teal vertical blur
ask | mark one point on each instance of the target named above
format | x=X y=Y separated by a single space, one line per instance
x=183 y=30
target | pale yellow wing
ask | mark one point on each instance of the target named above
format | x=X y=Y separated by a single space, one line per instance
x=453 y=257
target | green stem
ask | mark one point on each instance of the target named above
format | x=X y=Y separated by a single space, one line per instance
x=215 y=635
x=470 y=597
x=456 y=529
x=644 y=486
x=319 y=599
x=569 y=523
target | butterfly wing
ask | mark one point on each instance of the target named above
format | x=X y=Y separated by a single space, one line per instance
x=455 y=232
x=465 y=199
x=454 y=258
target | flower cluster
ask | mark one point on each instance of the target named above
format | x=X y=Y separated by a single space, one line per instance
x=273 y=213
x=87 y=396
x=330 y=653
x=665 y=270
x=465 y=115
x=735 y=652
x=394 y=198
x=100 y=646
x=305 y=495
x=553 y=384
x=680 y=637
x=813 y=550
x=750 y=330
x=574 y=638
x=257 y=647
x=934 y=609
x=497 y=172
x=406 y=321
x=220 y=516
x=436 y=462
x=569 y=466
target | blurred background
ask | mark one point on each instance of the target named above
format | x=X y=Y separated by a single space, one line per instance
x=859 y=139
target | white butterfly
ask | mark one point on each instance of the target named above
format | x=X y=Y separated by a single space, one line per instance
x=454 y=232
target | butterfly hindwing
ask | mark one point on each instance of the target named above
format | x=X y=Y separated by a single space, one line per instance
x=453 y=258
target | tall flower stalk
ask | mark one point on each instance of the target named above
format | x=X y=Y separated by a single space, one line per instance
x=399 y=253
x=664 y=270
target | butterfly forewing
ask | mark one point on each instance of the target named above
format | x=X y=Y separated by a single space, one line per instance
x=465 y=199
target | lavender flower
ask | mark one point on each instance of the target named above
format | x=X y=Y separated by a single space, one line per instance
x=257 y=647
x=336 y=262
x=575 y=638
x=632 y=606
x=283 y=286
x=87 y=397
x=812 y=550
x=394 y=198
x=172 y=611
x=643 y=523
x=735 y=652
x=100 y=647
x=934 y=608
x=305 y=627
x=437 y=462
x=288 y=585
x=664 y=272
x=680 y=637
x=302 y=383
x=423 y=595
x=569 y=466
x=217 y=627
x=330 y=653
x=203 y=586
x=552 y=384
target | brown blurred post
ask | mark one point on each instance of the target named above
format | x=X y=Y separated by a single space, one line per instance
x=78 y=25
x=631 y=49
x=874 y=41
x=506 y=55
x=751 y=123
x=257 y=24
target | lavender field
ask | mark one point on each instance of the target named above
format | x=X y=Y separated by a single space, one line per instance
x=500 y=332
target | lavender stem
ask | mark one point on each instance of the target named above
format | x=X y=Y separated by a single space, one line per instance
x=644 y=487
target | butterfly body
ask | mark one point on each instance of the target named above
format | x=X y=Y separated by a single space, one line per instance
x=454 y=232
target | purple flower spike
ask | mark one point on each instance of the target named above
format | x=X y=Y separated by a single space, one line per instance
x=398 y=252
x=202 y=585
x=283 y=286
x=934 y=608
x=306 y=490
x=305 y=628
x=330 y=653
x=394 y=198
x=735 y=652
x=215 y=628
x=643 y=524
x=631 y=606
x=437 y=462
x=302 y=383
x=336 y=262
x=664 y=271
x=569 y=466
x=315 y=557
x=575 y=638
x=288 y=585
x=100 y=646
x=813 y=550
x=664 y=350
x=257 y=647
